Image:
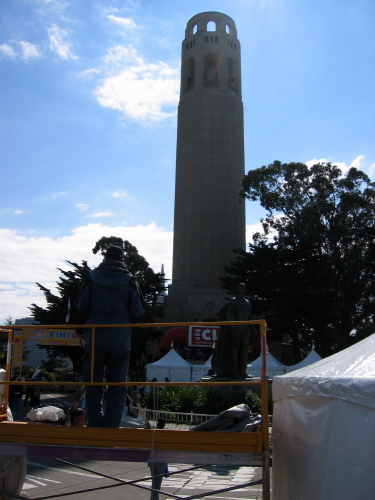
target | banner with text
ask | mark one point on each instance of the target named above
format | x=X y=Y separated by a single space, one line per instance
x=203 y=336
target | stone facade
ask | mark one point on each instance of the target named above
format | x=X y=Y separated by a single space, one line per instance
x=209 y=218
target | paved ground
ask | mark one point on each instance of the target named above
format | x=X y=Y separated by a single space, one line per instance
x=47 y=478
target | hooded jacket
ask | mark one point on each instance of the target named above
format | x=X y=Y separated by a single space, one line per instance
x=111 y=297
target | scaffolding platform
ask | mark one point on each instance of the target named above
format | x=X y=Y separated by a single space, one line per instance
x=137 y=444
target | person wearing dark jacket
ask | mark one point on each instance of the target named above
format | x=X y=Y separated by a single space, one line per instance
x=158 y=470
x=110 y=297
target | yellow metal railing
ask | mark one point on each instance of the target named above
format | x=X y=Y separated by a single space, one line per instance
x=224 y=442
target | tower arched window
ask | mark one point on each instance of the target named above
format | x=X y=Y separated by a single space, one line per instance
x=195 y=29
x=211 y=26
x=189 y=73
x=233 y=78
x=210 y=71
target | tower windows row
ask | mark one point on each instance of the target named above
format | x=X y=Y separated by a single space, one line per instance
x=212 y=26
x=211 y=39
x=211 y=73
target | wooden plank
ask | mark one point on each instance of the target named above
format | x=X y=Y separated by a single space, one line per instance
x=131 y=455
x=154 y=439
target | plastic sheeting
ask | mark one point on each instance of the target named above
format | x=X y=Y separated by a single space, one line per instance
x=12 y=468
x=171 y=366
x=323 y=432
x=237 y=419
x=311 y=358
x=12 y=475
x=2 y=377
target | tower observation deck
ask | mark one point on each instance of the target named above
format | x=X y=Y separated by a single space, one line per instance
x=209 y=218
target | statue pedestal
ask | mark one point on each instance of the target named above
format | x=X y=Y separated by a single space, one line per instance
x=230 y=394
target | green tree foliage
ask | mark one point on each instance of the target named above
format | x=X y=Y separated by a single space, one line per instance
x=151 y=283
x=69 y=286
x=208 y=400
x=311 y=272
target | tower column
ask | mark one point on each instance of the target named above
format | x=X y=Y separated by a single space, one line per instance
x=209 y=218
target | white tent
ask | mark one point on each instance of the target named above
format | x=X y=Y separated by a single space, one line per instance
x=200 y=371
x=311 y=358
x=172 y=366
x=323 y=428
x=2 y=378
x=274 y=367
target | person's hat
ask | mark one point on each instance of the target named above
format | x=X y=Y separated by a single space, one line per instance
x=114 y=253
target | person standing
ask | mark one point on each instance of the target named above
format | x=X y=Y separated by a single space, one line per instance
x=110 y=296
x=28 y=392
x=15 y=396
x=158 y=470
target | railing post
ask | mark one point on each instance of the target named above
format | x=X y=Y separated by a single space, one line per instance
x=92 y=353
x=265 y=429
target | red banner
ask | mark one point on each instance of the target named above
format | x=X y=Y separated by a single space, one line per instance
x=203 y=336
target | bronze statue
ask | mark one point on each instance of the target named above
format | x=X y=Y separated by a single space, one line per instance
x=229 y=359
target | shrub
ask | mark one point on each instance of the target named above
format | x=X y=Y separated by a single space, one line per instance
x=199 y=399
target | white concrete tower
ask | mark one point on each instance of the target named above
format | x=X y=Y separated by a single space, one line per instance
x=209 y=219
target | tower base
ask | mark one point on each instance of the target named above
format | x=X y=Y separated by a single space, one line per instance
x=190 y=303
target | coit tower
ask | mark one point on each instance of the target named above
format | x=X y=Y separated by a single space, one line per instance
x=209 y=218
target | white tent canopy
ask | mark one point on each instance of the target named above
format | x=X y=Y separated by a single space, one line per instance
x=171 y=366
x=200 y=371
x=311 y=358
x=323 y=428
x=274 y=367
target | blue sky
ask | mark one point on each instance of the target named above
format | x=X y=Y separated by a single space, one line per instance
x=89 y=96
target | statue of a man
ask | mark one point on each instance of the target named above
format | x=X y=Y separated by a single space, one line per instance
x=229 y=358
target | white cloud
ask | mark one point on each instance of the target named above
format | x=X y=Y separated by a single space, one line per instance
x=371 y=171
x=141 y=91
x=29 y=51
x=252 y=229
x=7 y=51
x=81 y=206
x=120 y=194
x=18 y=212
x=90 y=73
x=55 y=196
x=59 y=43
x=124 y=22
x=100 y=214
x=28 y=259
x=357 y=163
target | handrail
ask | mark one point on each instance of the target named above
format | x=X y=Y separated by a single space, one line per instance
x=262 y=382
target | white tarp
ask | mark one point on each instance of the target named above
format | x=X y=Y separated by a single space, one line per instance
x=274 y=367
x=200 y=371
x=311 y=358
x=171 y=366
x=2 y=377
x=323 y=432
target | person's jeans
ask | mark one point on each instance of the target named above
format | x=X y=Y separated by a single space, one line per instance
x=114 y=367
x=157 y=469
x=16 y=405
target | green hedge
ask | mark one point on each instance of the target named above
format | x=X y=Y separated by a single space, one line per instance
x=198 y=400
